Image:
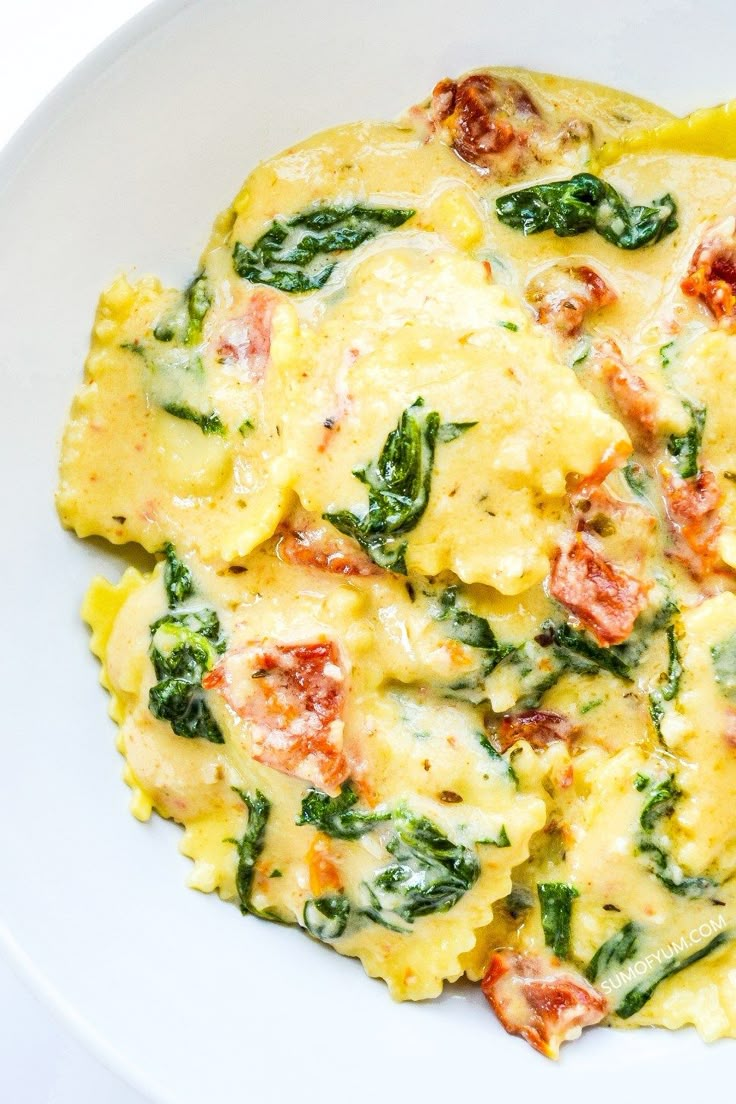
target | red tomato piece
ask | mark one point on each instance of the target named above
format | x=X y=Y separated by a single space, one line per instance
x=293 y=696
x=711 y=276
x=539 y=727
x=564 y=296
x=534 y=996
x=606 y=599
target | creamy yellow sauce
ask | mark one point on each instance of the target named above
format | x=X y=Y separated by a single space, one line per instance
x=392 y=733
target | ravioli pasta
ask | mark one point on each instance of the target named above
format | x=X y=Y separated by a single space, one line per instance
x=434 y=458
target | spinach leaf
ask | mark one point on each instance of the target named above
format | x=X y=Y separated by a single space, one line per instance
x=178 y=579
x=502 y=840
x=295 y=255
x=538 y=671
x=471 y=630
x=585 y=202
x=337 y=816
x=555 y=902
x=374 y=911
x=169 y=369
x=183 y=323
x=327 y=917
x=664 y=867
x=181 y=654
x=613 y=952
x=685 y=448
x=723 y=656
x=580 y=653
x=498 y=759
x=665 y=353
x=205 y=622
x=637 y=997
x=430 y=874
x=671 y=682
x=398 y=489
x=250 y=847
x=449 y=431
x=209 y=423
x=660 y=803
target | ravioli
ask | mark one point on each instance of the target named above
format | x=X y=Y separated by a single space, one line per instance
x=201 y=460
x=434 y=458
x=434 y=327
x=396 y=739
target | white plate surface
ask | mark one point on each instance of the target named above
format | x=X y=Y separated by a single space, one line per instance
x=123 y=169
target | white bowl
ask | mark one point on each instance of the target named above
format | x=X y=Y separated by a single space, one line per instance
x=124 y=168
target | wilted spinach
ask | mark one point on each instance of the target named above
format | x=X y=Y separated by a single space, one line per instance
x=337 y=816
x=471 y=630
x=210 y=423
x=613 y=952
x=327 y=917
x=398 y=485
x=183 y=647
x=637 y=997
x=555 y=902
x=250 y=846
x=430 y=873
x=178 y=579
x=183 y=323
x=684 y=448
x=585 y=202
x=295 y=255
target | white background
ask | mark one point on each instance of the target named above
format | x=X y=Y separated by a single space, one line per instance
x=40 y=1063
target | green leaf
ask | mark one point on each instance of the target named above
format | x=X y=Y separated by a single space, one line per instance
x=498 y=759
x=430 y=874
x=671 y=681
x=583 y=655
x=326 y=917
x=183 y=647
x=664 y=867
x=665 y=353
x=685 y=447
x=502 y=839
x=449 y=431
x=555 y=902
x=202 y=621
x=637 y=997
x=296 y=255
x=660 y=803
x=585 y=202
x=656 y=712
x=613 y=952
x=723 y=656
x=183 y=323
x=178 y=579
x=471 y=630
x=175 y=701
x=398 y=485
x=209 y=423
x=250 y=846
x=337 y=816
